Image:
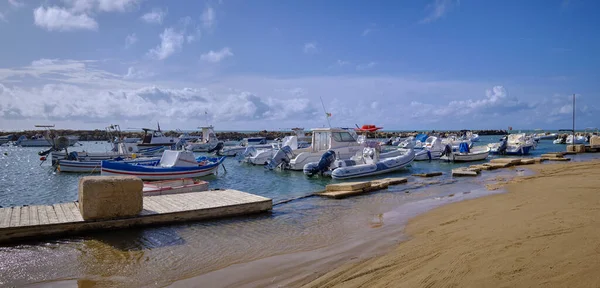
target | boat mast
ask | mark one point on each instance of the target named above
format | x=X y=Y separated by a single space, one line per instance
x=326 y=113
x=573 y=122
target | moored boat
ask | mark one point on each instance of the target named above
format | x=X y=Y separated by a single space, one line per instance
x=94 y=166
x=175 y=186
x=172 y=165
x=465 y=154
x=364 y=163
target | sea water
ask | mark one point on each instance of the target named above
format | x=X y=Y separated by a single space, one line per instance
x=158 y=256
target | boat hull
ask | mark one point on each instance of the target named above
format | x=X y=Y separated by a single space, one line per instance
x=466 y=157
x=386 y=165
x=74 y=166
x=111 y=168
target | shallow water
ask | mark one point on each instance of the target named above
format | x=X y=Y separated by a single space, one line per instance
x=158 y=256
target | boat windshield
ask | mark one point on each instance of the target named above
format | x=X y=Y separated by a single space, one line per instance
x=343 y=137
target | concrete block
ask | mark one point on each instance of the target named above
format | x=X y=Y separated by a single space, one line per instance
x=463 y=172
x=552 y=155
x=110 y=197
x=396 y=181
x=595 y=141
x=509 y=161
x=431 y=174
x=579 y=148
x=348 y=186
x=528 y=161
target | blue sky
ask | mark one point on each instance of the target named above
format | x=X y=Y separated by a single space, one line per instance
x=251 y=65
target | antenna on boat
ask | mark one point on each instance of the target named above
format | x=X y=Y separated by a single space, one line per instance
x=327 y=114
x=573 y=142
x=206 y=114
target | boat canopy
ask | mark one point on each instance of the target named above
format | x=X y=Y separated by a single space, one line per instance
x=421 y=137
x=464 y=147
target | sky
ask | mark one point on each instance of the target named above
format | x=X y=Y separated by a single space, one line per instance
x=266 y=64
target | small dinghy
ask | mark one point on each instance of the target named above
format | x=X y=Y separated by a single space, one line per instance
x=172 y=165
x=175 y=186
x=363 y=164
x=465 y=154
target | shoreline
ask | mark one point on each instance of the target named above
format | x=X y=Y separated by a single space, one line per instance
x=543 y=231
x=297 y=268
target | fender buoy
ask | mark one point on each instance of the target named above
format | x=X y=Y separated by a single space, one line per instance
x=43 y=158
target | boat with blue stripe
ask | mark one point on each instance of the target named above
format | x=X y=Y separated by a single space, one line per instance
x=172 y=165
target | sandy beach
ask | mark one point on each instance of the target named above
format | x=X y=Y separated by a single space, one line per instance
x=545 y=231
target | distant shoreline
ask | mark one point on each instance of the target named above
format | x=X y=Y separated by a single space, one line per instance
x=100 y=135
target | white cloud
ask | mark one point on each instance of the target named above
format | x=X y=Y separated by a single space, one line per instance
x=208 y=18
x=438 y=9
x=2 y=17
x=342 y=63
x=116 y=5
x=79 y=6
x=134 y=73
x=59 y=19
x=130 y=40
x=216 y=56
x=366 y=66
x=77 y=94
x=16 y=3
x=171 y=42
x=310 y=48
x=154 y=17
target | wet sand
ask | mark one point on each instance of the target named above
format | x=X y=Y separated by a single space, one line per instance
x=544 y=232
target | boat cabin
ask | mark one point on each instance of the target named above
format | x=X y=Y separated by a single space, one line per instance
x=328 y=138
x=152 y=136
x=208 y=134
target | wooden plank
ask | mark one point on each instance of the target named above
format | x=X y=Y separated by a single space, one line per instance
x=172 y=203
x=5 y=217
x=150 y=205
x=24 y=216
x=175 y=208
x=59 y=213
x=42 y=215
x=75 y=211
x=15 y=218
x=67 y=212
x=52 y=218
x=33 y=216
x=158 y=206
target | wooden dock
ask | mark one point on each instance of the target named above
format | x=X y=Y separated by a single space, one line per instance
x=64 y=218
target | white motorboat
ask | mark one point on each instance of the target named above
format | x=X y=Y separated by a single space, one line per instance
x=455 y=141
x=153 y=137
x=415 y=142
x=513 y=144
x=365 y=163
x=578 y=139
x=40 y=140
x=342 y=141
x=542 y=135
x=432 y=149
x=5 y=139
x=465 y=154
x=207 y=142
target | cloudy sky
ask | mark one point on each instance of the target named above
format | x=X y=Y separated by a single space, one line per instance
x=250 y=65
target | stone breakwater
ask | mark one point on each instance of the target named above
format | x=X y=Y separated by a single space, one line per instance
x=100 y=135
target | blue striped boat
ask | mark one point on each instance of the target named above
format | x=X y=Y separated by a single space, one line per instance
x=172 y=165
x=78 y=166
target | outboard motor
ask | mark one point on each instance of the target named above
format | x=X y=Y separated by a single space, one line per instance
x=503 y=146
x=284 y=155
x=46 y=152
x=217 y=148
x=249 y=152
x=327 y=159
